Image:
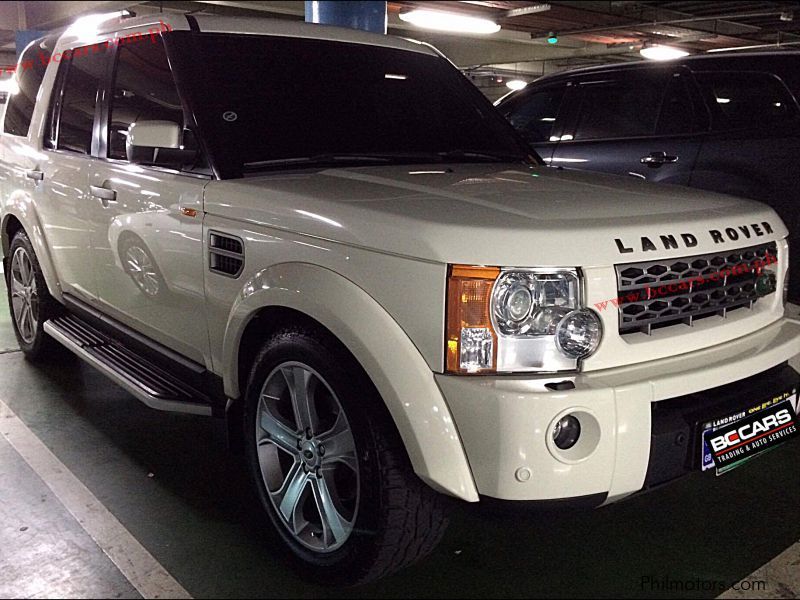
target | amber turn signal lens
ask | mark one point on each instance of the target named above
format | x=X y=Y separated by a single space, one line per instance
x=471 y=339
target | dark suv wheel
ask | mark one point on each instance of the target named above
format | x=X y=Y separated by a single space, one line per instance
x=29 y=300
x=329 y=466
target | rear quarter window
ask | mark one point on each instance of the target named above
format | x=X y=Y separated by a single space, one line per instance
x=29 y=76
x=747 y=100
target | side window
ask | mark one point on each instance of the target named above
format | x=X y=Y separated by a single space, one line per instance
x=144 y=90
x=82 y=75
x=747 y=99
x=534 y=113
x=29 y=75
x=619 y=108
x=678 y=112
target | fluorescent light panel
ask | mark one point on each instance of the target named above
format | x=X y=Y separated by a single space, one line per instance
x=659 y=52
x=445 y=21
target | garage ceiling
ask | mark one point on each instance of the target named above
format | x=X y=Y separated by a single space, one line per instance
x=588 y=32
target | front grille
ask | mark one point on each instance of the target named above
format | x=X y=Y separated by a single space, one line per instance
x=670 y=292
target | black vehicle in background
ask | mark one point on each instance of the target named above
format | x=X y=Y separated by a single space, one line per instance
x=727 y=123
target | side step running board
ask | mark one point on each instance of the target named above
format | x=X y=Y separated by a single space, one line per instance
x=147 y=382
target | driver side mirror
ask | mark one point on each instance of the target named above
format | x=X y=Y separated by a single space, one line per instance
x=158 y=143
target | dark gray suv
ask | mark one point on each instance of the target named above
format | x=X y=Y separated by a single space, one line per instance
x=728 y=123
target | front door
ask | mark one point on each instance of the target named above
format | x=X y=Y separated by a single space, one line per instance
x=148 y=247
x=643 y=123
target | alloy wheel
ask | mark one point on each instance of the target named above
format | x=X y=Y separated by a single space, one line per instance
x=307 y=457
x=24 y=295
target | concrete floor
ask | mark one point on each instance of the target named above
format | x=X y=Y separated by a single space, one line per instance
x=190 y=506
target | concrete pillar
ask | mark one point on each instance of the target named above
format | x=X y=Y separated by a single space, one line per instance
x=369 y=16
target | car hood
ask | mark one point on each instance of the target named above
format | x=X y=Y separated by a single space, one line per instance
x=496 y=214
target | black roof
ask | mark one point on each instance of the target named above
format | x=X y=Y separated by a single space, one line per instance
x=694 y=61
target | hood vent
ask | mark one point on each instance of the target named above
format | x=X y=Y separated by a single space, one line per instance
x=225 y=254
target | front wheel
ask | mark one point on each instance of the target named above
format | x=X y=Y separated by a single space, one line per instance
x=329 y=466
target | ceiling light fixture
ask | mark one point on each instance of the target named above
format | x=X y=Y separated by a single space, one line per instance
x=9 y=86
x=527 y=10
x=445 y=21
x=516 y=84
x=659 y=52
x=87 y=26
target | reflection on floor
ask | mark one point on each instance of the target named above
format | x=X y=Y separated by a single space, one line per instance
x=189 y=504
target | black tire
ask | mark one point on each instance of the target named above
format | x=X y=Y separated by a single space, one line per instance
x=400 y=519
x=38 y=346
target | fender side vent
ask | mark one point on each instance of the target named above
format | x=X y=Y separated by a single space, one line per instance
x=225 y=254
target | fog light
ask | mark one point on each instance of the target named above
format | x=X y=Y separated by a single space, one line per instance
x=566 y=432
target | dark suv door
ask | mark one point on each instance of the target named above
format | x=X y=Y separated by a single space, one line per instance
x=753 y=148
x=643 y=123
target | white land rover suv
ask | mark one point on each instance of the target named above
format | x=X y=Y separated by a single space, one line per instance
x=330 y=242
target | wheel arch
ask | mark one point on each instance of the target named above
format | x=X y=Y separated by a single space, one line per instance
x=395 y=366
x=15 y=221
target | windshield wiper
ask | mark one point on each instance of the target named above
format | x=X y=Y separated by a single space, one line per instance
x=454 y=155
x=318 y=159
x=333 y=159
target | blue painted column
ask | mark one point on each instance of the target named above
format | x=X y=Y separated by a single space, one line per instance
x=369 y=16
x=25 y=37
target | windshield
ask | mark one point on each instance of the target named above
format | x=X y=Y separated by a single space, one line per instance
x=263 y=102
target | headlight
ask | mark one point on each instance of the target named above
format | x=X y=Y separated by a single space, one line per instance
x=517 y=320
x=532 y=303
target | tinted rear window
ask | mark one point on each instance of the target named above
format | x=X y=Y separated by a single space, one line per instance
x=79 y=100
x=29 y=75
x=743 y=100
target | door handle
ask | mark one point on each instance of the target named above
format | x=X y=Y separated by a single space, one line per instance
x=34 y=174
x=105 y=195
x=656 y=159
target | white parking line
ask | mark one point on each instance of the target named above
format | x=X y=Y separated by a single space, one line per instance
x=143 y=571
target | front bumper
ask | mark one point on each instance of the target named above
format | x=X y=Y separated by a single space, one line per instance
x=505 y=421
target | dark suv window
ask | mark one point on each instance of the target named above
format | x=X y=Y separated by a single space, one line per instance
x=30 y=72
x=679 y=115
x=76 y=106
x=534 y=113
x=747 y=99
x=144 y=90
x=619 y=108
